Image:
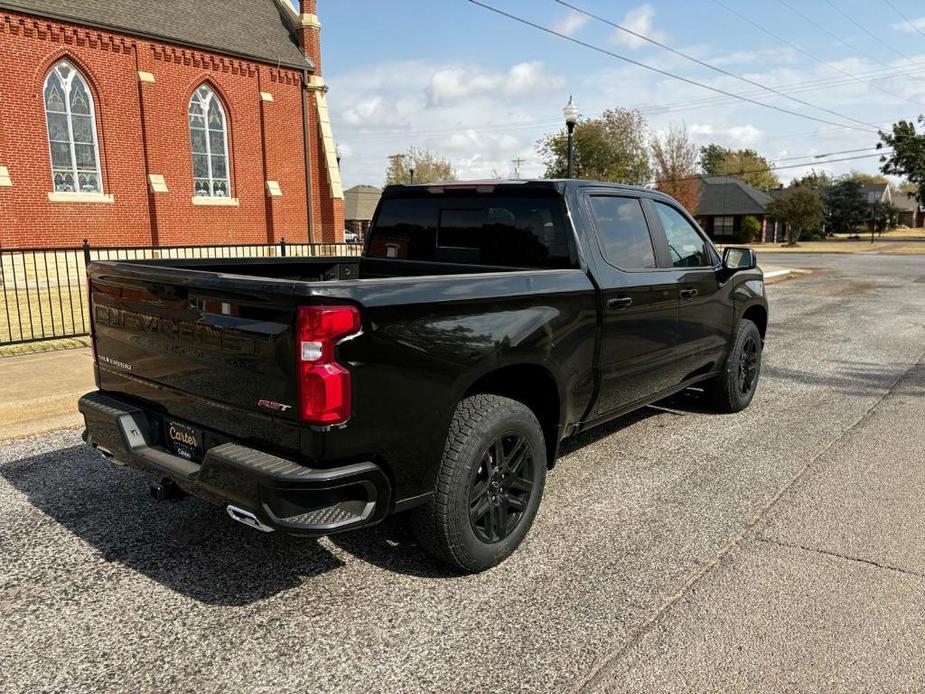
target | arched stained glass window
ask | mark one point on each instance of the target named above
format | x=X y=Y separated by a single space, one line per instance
x=208 y=129
x=75 y=159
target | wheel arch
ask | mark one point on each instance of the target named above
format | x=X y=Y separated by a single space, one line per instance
x=758 y=315
x=535 y=386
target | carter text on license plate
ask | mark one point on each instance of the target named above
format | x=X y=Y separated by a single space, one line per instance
x=184 y=440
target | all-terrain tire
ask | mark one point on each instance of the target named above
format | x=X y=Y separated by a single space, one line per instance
x=444 y=527
x=733 y=390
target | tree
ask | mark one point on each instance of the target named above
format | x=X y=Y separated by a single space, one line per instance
x=751 y=229
x=800 y=208
x=883 y=215
x=844 y=206
x=711 y=158
x=429 y=167
x=819 y=180
x=675 y=161
x=908 y=155
x=744 y=164
x=862 y=177
x=612 y=147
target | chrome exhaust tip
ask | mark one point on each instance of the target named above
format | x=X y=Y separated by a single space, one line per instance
x=244 y=516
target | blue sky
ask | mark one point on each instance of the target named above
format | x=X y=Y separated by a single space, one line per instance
x=481 y=89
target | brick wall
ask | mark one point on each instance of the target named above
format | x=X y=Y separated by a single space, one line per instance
x=143 y=129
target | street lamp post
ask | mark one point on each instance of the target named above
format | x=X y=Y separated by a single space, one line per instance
x=571 y=118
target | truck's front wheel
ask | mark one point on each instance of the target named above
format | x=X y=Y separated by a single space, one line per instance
x=489 y=485
x=733 y=390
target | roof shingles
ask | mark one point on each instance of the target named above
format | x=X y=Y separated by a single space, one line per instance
x=724 y=195
x=254 y=29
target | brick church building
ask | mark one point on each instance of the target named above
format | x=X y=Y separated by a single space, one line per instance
x=138 y=123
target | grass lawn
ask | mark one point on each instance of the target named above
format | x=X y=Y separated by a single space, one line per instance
x=42 y=312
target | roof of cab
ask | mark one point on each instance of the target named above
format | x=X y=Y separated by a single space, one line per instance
x=561 y=185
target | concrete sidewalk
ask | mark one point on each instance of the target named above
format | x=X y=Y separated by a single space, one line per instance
x=823 y=593
x=40 y=391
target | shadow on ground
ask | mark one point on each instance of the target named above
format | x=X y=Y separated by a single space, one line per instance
x=848 y=378
x=195 y=549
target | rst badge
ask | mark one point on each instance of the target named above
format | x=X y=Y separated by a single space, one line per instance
x=274 y=406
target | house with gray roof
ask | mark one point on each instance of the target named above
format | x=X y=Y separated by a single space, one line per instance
x=909 y=212
x=877 y=192
x=723 y=205
x=360 y=204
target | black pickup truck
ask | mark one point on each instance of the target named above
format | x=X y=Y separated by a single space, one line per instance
x=438 y=373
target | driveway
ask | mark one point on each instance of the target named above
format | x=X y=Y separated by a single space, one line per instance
x=675 y=549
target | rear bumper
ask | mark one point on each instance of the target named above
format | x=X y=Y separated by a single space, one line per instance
x=282 y=494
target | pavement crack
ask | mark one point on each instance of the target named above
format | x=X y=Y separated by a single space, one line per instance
x=839 y=555
x=600 y=671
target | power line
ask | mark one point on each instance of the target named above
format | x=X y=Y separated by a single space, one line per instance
x=647 y=109
x=794 y=87
x=865 y=29
x=709 y=66
x=659 y=71
x=905 y=18
x=778 y=37
x=828 y=33
x=778 y=168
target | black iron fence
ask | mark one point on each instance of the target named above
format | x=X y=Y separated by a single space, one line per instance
x=43 y=290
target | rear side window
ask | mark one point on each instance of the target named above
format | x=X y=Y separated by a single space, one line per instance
x=473 y=229
x=687 y=247
x=623 y=232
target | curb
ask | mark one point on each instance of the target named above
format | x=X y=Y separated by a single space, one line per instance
x=776 y=276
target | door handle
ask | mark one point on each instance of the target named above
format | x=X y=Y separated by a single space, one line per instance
x=620 y=303
x=689 y=293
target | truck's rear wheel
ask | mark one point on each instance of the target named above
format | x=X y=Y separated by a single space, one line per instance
x=489 y=485
x=734 y=389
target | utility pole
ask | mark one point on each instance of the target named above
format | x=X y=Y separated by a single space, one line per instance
x=518 y=162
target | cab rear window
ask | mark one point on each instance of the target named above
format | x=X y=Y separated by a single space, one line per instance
x=479 y=230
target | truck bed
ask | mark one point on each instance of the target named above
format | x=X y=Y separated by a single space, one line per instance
x=211 y=342
x=324 y=269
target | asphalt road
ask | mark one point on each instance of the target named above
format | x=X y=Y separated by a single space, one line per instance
x=782 y=548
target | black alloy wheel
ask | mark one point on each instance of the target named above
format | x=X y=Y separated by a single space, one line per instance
x=734 y=388
x=489 y=485
x=748 y=366
x=501 y=487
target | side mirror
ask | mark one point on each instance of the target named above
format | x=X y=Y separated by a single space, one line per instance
x=737 y=258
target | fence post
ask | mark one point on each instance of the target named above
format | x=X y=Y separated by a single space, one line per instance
x=282 y=246
x=86 y=247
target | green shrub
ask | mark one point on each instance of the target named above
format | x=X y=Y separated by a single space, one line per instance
x=751 y=230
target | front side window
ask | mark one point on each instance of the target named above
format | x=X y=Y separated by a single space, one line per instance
x=687 y=247
x=208 y=130
x=624 y=235
x=69 y=114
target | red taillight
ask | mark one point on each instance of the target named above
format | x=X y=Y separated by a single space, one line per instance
x=324 y=385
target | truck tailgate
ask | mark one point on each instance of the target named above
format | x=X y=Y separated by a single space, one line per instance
x=176 y=335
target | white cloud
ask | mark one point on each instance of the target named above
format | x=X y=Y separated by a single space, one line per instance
x=733 y=136
x=910 y=26
x=641 y=20
x=480 y=118
x=571 y=23
x=448 y=85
